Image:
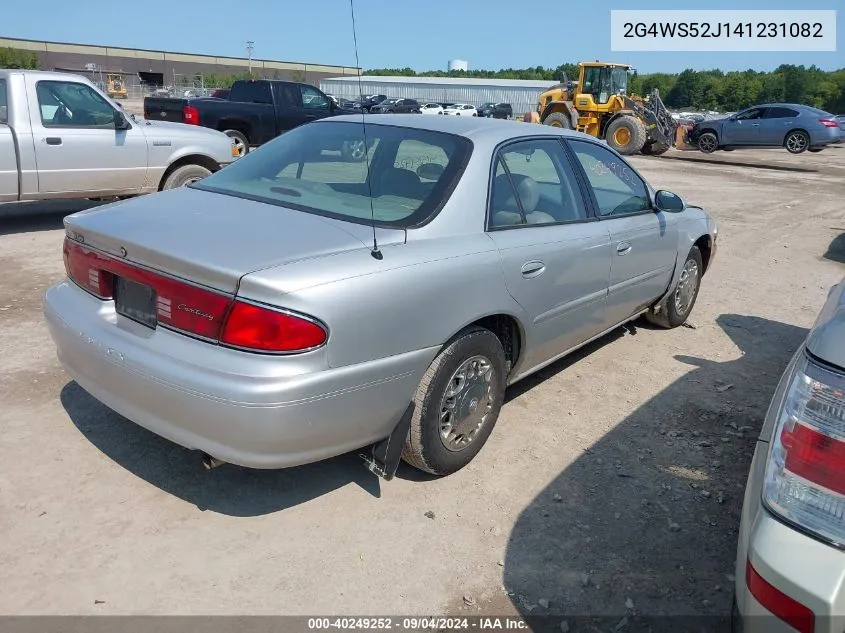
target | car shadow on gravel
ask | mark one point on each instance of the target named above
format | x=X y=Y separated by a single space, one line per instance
x=227 y=489
x=644 y=523
x=28 y=217
x=836 y=249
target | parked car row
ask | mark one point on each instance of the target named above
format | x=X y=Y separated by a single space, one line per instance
x=381 y=104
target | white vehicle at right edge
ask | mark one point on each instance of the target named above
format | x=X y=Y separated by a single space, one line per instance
x=790 y=566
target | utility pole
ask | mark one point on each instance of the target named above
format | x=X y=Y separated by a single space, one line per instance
x=249 y=46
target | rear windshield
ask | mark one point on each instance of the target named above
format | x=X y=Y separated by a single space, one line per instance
x=398 y=176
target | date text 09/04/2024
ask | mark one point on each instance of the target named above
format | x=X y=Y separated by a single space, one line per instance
x=723 y=29
x=419 y=623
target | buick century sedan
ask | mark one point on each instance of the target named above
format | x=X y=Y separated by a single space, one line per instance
x=295 y=306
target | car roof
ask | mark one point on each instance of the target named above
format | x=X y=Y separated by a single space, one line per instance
x=474 y=128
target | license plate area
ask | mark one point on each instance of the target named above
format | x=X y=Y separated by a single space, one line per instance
x=135 y=301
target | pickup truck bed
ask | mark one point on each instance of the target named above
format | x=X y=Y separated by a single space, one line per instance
x=255 y=112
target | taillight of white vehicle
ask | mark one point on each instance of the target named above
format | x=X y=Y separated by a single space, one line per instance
x=805 y=473
x=195 y=310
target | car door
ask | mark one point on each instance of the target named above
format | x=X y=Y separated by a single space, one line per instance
x=774 y=125
x=315 y=104
x=743 y=128
x=77 y=145
x=8 y=154
x=644 y=242
x=555 y=255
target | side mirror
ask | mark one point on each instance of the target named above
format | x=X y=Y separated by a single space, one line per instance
x=669 y=202
x=120 y=121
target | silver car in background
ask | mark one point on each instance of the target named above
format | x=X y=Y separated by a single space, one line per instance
x=790 y=566
x=295 y=306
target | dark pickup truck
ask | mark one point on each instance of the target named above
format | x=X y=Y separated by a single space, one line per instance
x=254 y=111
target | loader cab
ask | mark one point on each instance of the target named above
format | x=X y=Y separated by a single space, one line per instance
x=598 y=83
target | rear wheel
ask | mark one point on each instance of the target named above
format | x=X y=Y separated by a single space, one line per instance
x=796 y=142
x=676 y=307
x=185 y=175
x=654 y=148
x=457 y=403
x=707 y=143
x=241 y=141
x=626 y=134
x=558 y=119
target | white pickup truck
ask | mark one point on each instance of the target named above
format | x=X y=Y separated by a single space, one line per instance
x=61 y=137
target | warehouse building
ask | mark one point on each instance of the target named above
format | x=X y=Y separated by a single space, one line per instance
x=162 y=68
x=521 y=94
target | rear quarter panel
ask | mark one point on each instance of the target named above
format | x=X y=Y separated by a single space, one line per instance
x=417 y=297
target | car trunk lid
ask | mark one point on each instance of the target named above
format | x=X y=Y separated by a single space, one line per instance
x=213 y=239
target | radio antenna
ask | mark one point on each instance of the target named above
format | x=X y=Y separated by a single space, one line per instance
x=376 y=253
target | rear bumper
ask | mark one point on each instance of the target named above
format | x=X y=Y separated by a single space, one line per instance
x=248 y=409
x=826 y=137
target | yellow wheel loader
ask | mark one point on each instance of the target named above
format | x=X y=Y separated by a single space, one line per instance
x=598 y=105
x=116 y=87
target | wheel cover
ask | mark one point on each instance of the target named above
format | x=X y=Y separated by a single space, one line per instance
x=796 y=142
x=707 y=143
x=240 y=146
x=467 y=403
x=622 y=136
x=687 y=286
x=191 y=180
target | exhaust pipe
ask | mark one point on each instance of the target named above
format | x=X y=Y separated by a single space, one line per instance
x=210 y=462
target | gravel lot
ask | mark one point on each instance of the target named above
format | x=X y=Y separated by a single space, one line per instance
x=612 y=484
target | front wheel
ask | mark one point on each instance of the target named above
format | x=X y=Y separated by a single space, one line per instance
x=796 y=142
x=626 y=134
x=457 y=403
x=185 y=175
x=707 y=143
x=675 y=309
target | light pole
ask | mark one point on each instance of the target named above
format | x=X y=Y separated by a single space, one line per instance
x=249 y=46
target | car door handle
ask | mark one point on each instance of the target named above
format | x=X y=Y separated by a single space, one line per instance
x=53 y=140
x=623 y=248
x=310 y=116
x=533 y=269
x=755 y=125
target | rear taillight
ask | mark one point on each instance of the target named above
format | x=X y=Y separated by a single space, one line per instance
x=805 y=473
x=196 y=310
x=788 y=609
x=85 y=268
x=190 y=115
x=253 y=327
x=828 y=123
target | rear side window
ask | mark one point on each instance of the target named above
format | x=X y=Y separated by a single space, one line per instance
x=534 y=184
x=251 y=92
x=4 y=104
x=402 y=179
x=618 y=190
x=780 y=113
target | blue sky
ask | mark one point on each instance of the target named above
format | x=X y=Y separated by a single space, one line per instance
x=424 y=35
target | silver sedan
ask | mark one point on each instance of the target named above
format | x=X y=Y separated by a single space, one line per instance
x=297 y=305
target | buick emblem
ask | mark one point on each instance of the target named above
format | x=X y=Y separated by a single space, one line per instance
x=163 y=114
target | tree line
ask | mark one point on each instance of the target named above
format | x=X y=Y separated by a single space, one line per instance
x=693 y=89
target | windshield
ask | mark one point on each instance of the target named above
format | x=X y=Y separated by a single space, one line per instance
x=388 y=101
x=402 y=181
x=618 y=80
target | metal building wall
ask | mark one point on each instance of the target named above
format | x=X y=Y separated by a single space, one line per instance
x=523 y=99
